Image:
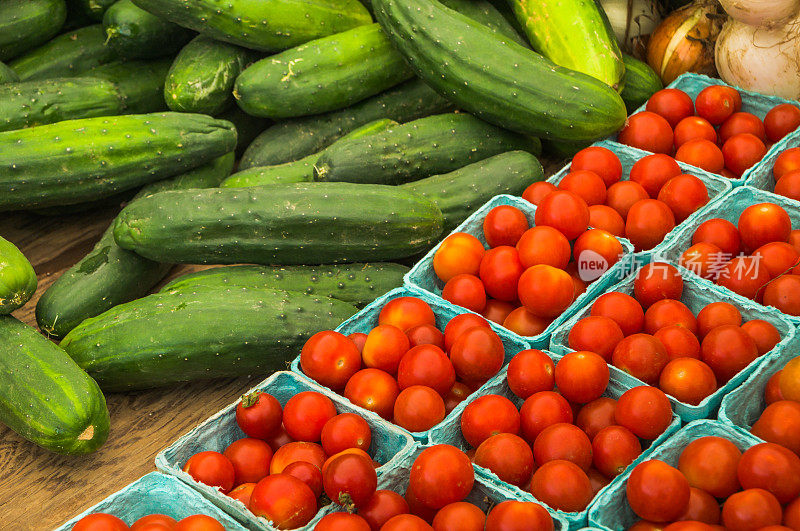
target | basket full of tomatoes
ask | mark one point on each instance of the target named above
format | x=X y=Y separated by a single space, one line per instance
x=779 y=172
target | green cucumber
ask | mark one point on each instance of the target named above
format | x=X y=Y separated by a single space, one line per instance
x=134 y=33
x=83 y=160
x=291 y=140
x=77 y=17
x=17 y=278
x=202 y=76
x=94 y=9
x=358 y=284
x=247 y=127
x=323 y=75
x=113 y=201
x=45 y=397
x=262 y=25
x=109 y=275
x=575 y=34
x=459 y=193
x=199 y=333
x=487 y=14
x=641 y=82
x=299 y=171
x=563 y=149
x=6 y=74
x=418 y=149
x=283 y=224
x=497 y=80
x=68 y=55
x=25 y=24
x=141 y=83
x=39 y=102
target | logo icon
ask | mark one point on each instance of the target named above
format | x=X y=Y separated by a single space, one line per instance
x=591 y=265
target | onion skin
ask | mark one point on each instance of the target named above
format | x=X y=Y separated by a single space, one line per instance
x=633 y=21
x=684 y=41
x=761 y=59
x=769 y=13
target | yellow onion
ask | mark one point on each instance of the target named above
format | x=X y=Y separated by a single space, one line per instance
x=684 y=41
x=633 y=21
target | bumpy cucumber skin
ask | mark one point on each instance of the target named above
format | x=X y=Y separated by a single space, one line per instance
x=358 y=284
x=499 y=81
x=45 y=397
x=25 y=24
x=94 y=9
x=199 y=333
x=487 y=14
x=17 y=278
x=136 y=34
x=641 y=82
x=247 y=127
x=323 y=75
x=299 y=171
x=141 y=83
x=68 y=55
x=459 y=193
x=109 y=275
x=418 y=149
x=202 y=76
x=262 y=25
x=283 y=224
x=6 y=74
x=83 y=160
x=40 y=102
x=291 y=140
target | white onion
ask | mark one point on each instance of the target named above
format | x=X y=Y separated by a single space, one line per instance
x=770 y=13
x=632 y=19
x=760 y=59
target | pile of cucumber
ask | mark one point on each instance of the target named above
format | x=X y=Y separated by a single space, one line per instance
x=322 y=141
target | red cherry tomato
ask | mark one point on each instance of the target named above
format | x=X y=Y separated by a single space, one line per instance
x=441 y=474
x=764 y=223
x=727 y=349
x=606 y=218
x=406 y=522
x=669 y=312
x=773 y=468
x=524 y=323
x=308 y=474
x=426 y=334
x=477 y=354
x=601 y=161
x=541 y=410
x=385 y=347
x=159 y=519
x=457 y=394
x=297 y=451
x=649 y=220
x=688 y=380
x=743 y=275
x=751 y=509
x=374 y=390
x=198 y=522
x=500 y=271
x=384 y=505
x=702 y=508
x=467 y=291
x=788 y=160
x=780 y=424
x=781 y=120
x=536 y=192
x=562 y=485
x=772 y=391
x=678 y=341
x=250 y=459
x=586 y=184
x=508 y=456
x=460 y=324
x=791 y=515
x=596 y=334
x=564 y=211
x=100 y=522
x=486 y=416
x=426 y=365
x=581 y=376
x=717 y=314
x=259 y=415
x=743 y=151
x=777 y=257
x=342 y=522
x=653 y=171
x=784 y=294
x=544 y=245
x=701 y=153
x=623 y=195
x=545 y=290
x=529 y=372
x=358 y=339
x=279 y=439
x=623 y=309
x=596 y=415
x=656 y=281
x=645 y=411
x=408 y=312
x=512 y=515
x=496 y=311
x=672 y=104
x=647 y=131
x=694 y=128
x=596 y=243
x=657 y=492
x=213 y=469
x=460 y=253
x=704 y=259
x=504 y=225
x=459 y=516
x=721 y=233
x=684 y=195
x=330 y=358
x=284 y=500
x=563 y=441
x=305 y=414
x=597 y=480
x=613 y=449
x=418 y=408
x=790 y=382
x=350 y=478
x=642 y=356
x=789 y=185
x=715 y=103
x=710 y=463
x=742 y=122
x=344 y=431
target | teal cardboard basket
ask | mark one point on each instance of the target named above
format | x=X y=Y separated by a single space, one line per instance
x=156 y=493
x=761 y=174
x=449 y=432
x=611 y=509
x=367 y=319
x=422 y=277
x=697 y=293
x=390 y=446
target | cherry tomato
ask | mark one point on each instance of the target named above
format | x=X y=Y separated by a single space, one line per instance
x=441 y=474
x=648 y=131
x=694 y=128
x=742 y=151
x=596 y=243
x=426 y=365
x=496 y=311
x=701 y=153
x=213 y=469
x=408 y=312
x=669 y=312
x=536 y=192
x=512 y=515
x=284 y=500
x=342 y=522
x=777 y=257
x=679 y=342
x=459 y=254
x=581 y=376
x=596 y=415
x=789 y=185
x=544 y=245
x=672 y=104
x=508 y=456
x=457 y=394
x=657 y=492
x=385 y=347
x=199 y=522
x=374 y=390
x=780 y=424
x=606 y=218
x=788 y=160
x=350 y=479
x=601 y=161
x=642 y=356
x=764 y=223
x=460 y=324
x=541 y=410
x=704 y=259
x=649 y=220
x=406 y=522
x=477 y=354
x=565 y=442
x=653 y=171
x=504 y=225
x=703 y=507
x=688 y=380
x=358 y=339
x=717 y=314
x=467 y=291
x=743 y=275
x=773 y=468
x=250 y=459
x=330 y=358
x=613 y=449
x=545 y=290
x=100 y=522
x=305 y=414
x=418 y=408
x=308 y=474
x=656 y=281
x=715 y=103
x=645 y=411
x=159 y=519
x=524 y=323
x=586 y=184
x=710 y=463
x=564 y=211
x=529 y=372
x=742 y=122
x=597 y=480
x=297 y=451
x=623 y=195
x=280 y=438
x=790 y=383
x=794 y=239
x=577 y=282
x=751 y=509
x=562 y=485
x=781 y=120
x=784 y=294
x=772 y=391
x=259 y=415
x=721 y=233
x=486 y=416
x=426 y=334
x=500 y=271
x=346 y=430
x=597 y=334
x=728 y=349
x=684 y=195
x=459 y=516
x=621 y=308
x=384 y=505
x=791 y=515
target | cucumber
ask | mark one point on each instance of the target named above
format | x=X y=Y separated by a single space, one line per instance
x=418 y=149
x=17 y=278
x=291 y=140
x=563 y=149
x=94 y=9
x=459 y=193
x=109 y=275
x=7 y=75
x=136 y=34
x=283 y=224
x=25 y=24
x=201 y=77
x=45 y=397
x=199 y=333
x=247 y=127
x=322 y=75
x=39 y=102
x=487 y=14
x=497 y=80
x=83 y=160
x=141 y=83
x=299 y=171
x=68 y=55
x=268 y=25
x=641 y=82
x=575 y=34
x=113 y=201
x=358 y=284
